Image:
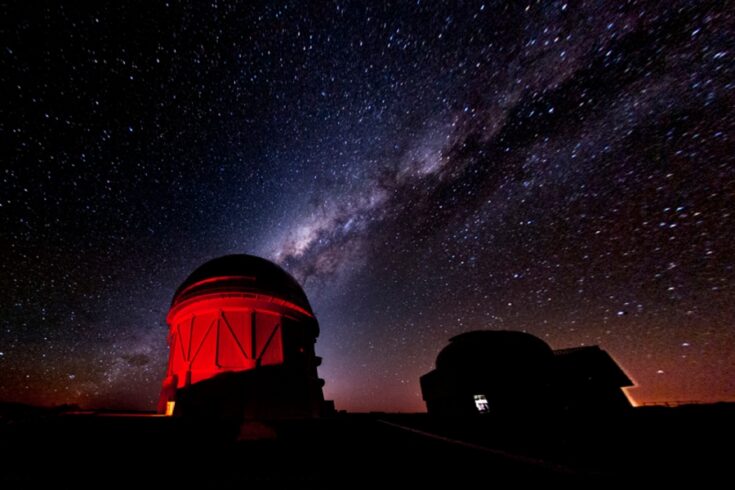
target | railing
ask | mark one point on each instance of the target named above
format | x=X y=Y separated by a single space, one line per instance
x=672 y=403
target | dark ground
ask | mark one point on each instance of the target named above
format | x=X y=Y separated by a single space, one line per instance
x=652 y=446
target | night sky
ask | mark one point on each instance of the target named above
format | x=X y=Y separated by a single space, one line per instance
x=562 y=168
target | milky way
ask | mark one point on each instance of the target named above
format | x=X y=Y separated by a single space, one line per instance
x=562 y=168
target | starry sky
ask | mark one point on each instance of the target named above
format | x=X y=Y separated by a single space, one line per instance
x=423 y=168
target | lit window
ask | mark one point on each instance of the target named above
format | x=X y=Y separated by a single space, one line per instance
x=170 y=408
x=481 y=403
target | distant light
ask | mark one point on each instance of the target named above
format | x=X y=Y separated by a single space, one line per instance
x=481 y=403
x=170 y=408
x=660 y=371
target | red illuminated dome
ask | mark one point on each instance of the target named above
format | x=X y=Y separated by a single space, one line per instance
x=242 y=334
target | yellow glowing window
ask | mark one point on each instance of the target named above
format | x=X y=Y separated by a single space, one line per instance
x=481 y=404
x=170 y=408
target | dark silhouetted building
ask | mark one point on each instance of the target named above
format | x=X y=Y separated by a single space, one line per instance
x=588 y=379
x=515 y=373
x=241 y=339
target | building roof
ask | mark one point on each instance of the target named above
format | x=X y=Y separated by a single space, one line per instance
x=588 y=363
x=494 y=348
x=242 y=272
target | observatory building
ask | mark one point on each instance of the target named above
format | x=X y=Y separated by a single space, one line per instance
x=241 y=338
x=515 y=373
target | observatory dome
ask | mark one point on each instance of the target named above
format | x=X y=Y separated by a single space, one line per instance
x=498 y=351
x=241 y=340
x=243 y=273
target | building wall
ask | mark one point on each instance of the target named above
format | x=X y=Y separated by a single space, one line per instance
x=207 y=343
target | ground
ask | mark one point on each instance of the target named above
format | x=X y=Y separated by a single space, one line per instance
x=645 y=446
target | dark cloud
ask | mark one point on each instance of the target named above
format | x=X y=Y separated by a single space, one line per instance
x=136 y=360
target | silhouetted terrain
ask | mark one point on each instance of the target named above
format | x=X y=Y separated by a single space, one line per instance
x=648 y=445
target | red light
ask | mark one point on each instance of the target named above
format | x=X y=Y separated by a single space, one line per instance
x=233 y=332
x=225 y=319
